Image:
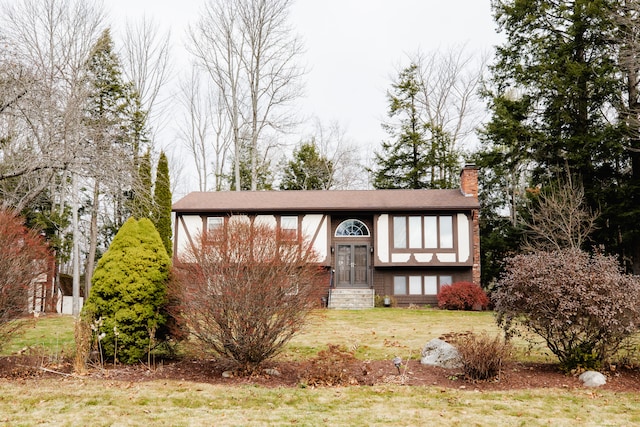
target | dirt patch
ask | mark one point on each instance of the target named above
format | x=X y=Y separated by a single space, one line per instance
x=295 y=374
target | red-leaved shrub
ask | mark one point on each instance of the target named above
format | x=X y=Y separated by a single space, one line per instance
x=583 y=306
x=462 y=296
x=24 y=256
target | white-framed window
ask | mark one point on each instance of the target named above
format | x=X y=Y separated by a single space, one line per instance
x=215 y=223
x=415 y=285
x=399 y=285
x=399 y=232
x=420 y=285
x=423 y=232
x=289 y=227
x=352 y=228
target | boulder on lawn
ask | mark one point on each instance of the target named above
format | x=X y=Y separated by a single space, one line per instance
x=592 y=379
x=440 y=353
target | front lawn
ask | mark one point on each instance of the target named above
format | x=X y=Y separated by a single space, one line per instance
x=378 y=334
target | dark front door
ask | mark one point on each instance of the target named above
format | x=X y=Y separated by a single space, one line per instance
x=352 y=267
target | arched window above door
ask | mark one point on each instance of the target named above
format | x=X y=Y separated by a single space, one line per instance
x=352 y=228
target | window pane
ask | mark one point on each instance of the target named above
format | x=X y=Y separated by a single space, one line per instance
x=399 y=285
x=430 y=285
x=415 y=285
x=352 y=227
x=446 y=232
x=289 y=226
x=415 y=232
x=214 y=223
x=446 y=280
x=399 y=232
x=430 y=232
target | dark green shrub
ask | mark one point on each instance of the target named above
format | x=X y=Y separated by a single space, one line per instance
x=462 y=296
x=128 y=292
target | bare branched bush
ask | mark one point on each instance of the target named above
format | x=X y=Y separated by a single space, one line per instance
x=482 y=356
x=245 y=290
x=558 y=218
x=583 y=306
x=24 y=257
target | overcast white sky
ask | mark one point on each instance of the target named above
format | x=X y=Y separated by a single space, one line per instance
x=353 y=48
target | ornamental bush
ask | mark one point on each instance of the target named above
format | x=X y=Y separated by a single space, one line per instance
x=582 y=305
x=245 y=290
x=482 y=356
x=462 y=296
x=24 y=256
x=128 y=292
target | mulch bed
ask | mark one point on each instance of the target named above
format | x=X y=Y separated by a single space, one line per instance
x=514 y=376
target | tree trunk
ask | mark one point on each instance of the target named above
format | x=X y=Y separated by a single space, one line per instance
x=93 y=239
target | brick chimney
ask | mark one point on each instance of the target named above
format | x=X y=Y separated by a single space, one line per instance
x=469 y=187
x=469 y=180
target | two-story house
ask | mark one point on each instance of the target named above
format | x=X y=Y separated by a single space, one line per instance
x=401 y=243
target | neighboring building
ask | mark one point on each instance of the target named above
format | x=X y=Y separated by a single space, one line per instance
x=405 y=244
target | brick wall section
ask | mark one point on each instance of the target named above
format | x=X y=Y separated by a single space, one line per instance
x=469 y=187
x=469 y=181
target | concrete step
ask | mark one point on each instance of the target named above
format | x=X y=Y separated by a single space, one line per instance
x=351 y=299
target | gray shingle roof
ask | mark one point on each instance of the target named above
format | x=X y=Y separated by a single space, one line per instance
x=324 y=201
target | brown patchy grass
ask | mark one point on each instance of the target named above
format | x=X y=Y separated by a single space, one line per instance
x=188 y=399
x=72 y=402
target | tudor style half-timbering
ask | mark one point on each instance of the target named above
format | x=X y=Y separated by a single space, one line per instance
x=401 y=243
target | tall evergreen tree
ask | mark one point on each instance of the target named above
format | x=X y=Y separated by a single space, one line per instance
x=263 y=176
x=106 y=101
x=563 y=61
x=162 y=203
x=142 y=194
x=420 y=153
x=307 y=170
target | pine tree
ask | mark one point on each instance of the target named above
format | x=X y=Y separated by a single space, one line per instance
x=128 y=291
x=162 y=203
x=142 y=199
x=308 y=170
x=420 y=154
x=104 y=108
x=563 y=59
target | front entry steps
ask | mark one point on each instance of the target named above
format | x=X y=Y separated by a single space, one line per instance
x=350 y=299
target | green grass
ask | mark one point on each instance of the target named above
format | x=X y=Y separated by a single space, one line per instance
x=52 y=333
x=382 y=333
x=72 y=402
x=377 y=334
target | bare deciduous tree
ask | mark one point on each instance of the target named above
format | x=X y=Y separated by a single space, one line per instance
x=50 y=41
x=449 y=83
x=344 y=155
x=558 y=218
x=246 y=290
x=146 y=64
x=249 y=52
x=204 y=130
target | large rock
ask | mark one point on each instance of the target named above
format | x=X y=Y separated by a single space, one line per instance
x=440 y=353
x=592 y=379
